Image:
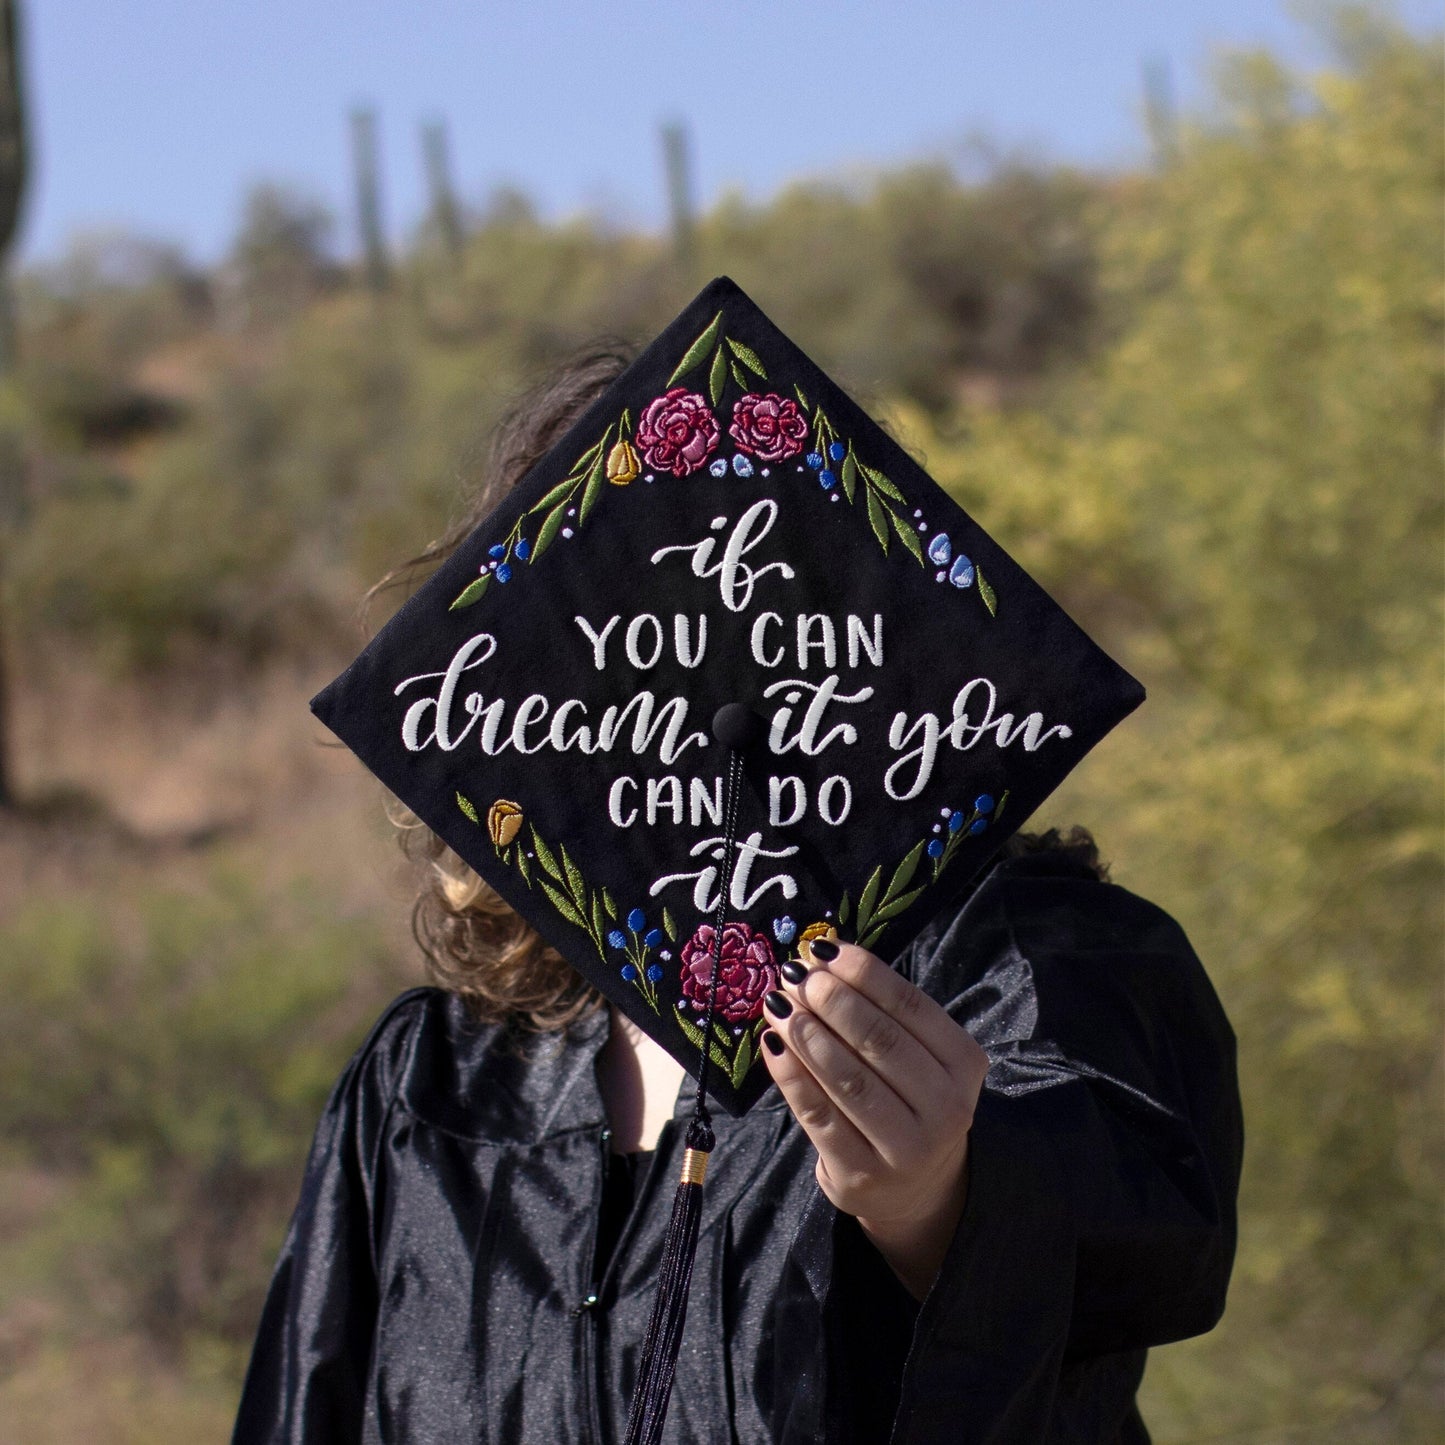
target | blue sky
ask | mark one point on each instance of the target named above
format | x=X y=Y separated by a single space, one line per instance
x=155 y=115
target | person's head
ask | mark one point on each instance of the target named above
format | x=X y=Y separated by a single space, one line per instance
x=475 y=944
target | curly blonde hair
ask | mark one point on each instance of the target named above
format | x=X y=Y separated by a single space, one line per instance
x=475 y=944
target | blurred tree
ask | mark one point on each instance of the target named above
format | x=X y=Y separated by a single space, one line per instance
x=1245 y=497
x=280 y=255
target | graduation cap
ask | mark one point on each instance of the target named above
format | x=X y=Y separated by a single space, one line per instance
x=725 y=672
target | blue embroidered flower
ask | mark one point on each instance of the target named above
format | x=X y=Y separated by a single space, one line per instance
x=629 y=971
x=498 y=551
x=955 y=822
x=827 y=480
x=654 y=937
x=718 y=467
x=935 y=847
x=984 y=803
x=940 y=550
x=784 y=929
x=523 y=549
x=654 y=972
x=504 y=572
x=979 y=824
x=742 y=465
x=837 y=451
x=617 y=939
x=961 y=573
x=814 y=460
x=637 y=920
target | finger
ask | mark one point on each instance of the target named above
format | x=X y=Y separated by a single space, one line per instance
x=875 y=1035
x=840 y=1146
x=924 y=1018
x=851 y=1084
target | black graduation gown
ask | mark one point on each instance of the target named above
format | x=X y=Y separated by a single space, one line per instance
x=436 y=1282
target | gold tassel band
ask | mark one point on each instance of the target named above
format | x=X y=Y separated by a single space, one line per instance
x=694 y=1166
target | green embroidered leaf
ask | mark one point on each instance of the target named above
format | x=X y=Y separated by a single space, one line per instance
x=524 y=867
x=850 y=474
x=877 y=518
x=544 y=856
x=873 y=936
x=597 y=929
x=594 y=490
x=893 y=909
x=723 y=1036
x=844 y=909
x=561 y=490
x=907 y=536
x=609 y=905
x=717 y=377
x=574 y=879
x=748 y=357
x=550 y=527
x=468 y=808
x=742 y=1061
x=987 y=593
x=903 y=874
x=625 y=424
x=882 y=483
x=564 y=906
x=869 y=898
x=697 y=350
x=694 y=1035
x=669 y=925
x=798 y=392
x=472 y=592
x=739 y=376
x=998 y=809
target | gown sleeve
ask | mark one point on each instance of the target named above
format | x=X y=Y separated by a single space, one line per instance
x=1104 y=1161
x=307 y=1376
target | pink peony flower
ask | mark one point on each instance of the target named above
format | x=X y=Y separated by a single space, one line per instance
x=745 y=973
x=770 y=427
x=677 y=432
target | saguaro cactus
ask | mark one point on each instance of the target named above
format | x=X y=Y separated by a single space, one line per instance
x=445 y=214
x=677 y=165
x=1159 y=118
x=368 y=198
x=14 y=167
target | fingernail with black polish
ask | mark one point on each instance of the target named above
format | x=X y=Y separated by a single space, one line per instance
x=824 y=948
x=777 y=1003
x=793 y=971
x=772 y=1043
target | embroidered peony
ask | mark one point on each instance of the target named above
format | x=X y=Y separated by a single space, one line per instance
x=770 y=427
x=677 y=432
x=745 y=973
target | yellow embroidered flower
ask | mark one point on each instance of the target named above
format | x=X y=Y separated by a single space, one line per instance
x=623 y=465
x=812 y=931
x=504 y=822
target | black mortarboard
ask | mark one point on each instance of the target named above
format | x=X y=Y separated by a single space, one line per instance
x=726 y=670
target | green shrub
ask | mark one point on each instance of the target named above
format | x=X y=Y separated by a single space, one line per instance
x=170 y=1063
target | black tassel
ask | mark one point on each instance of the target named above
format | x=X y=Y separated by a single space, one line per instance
x=669 y=1311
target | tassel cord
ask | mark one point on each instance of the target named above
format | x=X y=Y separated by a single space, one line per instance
x=663 y=1339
